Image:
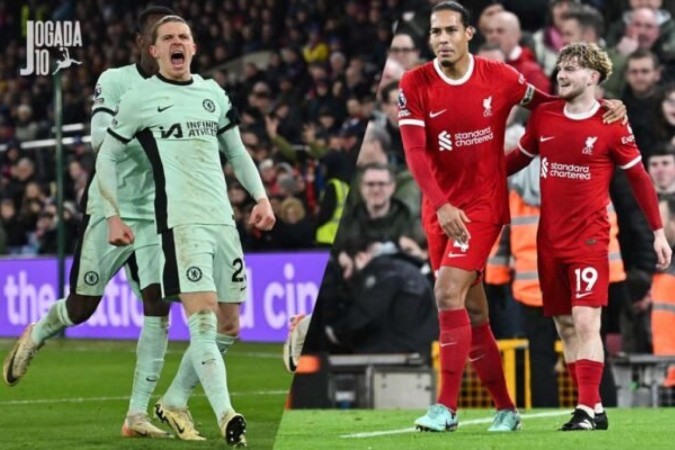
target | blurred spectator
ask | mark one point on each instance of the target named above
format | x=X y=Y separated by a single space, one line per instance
x=664 y=21
x=661 y=166
x=26 y=127
x=665 y=122
x=641 y=96
x=294 y=229
x=378 y=216
x=503 y=28
x=390 y=307
x=548 y=40
x=404 y=50
x=389 y=95
x=13 y=229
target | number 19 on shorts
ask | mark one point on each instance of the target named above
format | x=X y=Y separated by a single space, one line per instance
x=586 y=278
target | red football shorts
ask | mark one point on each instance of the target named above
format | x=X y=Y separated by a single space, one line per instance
x=572 y=281
x=473 y=255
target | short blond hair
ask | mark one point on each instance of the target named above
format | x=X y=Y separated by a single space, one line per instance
x=162 y=21
x=589 y=56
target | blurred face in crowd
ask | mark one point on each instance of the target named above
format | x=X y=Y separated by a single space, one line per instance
x=571 y=32
x=558 y=9
x=503 y=29
x=668 y=107
x=662 y=171
x=32 y=191
x=448 y=37
x=652 y=4
x=24 y=169
x=174 y=49
x=377 y=188
x=403 y=51
x=643 y=27
x=391 y=107
x=642 y=76
x=7 y=210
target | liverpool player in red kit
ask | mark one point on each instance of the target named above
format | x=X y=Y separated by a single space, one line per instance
x=578 y=157
x=452 y=117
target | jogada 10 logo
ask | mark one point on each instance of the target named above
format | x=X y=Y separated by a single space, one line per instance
x=45 y=37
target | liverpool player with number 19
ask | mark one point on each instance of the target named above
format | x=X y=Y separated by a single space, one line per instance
x=578 y=157
x=452 y=117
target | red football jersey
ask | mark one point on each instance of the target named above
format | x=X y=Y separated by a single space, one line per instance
x=578 y=156
x=464 y=122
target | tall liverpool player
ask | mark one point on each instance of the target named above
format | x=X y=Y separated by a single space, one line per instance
x=452 y=117
x=578 y=157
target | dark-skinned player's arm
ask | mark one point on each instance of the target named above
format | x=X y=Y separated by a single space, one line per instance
x=413 y=134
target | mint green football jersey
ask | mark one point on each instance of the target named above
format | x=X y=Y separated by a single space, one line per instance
x=177 y=125
x=134 y=175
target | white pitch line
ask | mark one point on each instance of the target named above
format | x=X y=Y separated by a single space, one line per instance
x=462 y=423
x=118 y=398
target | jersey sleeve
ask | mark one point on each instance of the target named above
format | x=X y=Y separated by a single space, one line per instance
x=233 y=148
x=128 y=119
x=518 y=91
x=625 y=152
x=529 y=142
x=410 y=103
x=229 y=116
x=106 y=97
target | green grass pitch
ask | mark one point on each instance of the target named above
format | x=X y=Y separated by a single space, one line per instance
x=633 y=429
x=75 y=396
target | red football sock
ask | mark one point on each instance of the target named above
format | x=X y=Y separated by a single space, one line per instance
x=589 y=374
x=487 y=361
x=454 y=342
x=572 y=370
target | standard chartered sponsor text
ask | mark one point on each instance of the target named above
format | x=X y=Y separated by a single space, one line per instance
x=570 y=171
x=473 y=137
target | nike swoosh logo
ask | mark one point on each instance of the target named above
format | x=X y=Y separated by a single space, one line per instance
x=243 y=289
x=546 y=138
x=433 y=114
x=446 y=344
x=455 y=255
x=583 y=295
x=207 y=361
x=476 y=358
x=151 y=379
x=179 y=429
x=160 y=109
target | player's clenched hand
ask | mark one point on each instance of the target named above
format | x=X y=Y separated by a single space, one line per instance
x=616 y=110
x=452 y=220
x=262 y=216
x=119 y=233
x=662 y=249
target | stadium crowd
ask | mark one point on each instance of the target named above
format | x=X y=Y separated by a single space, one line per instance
x=302 y=75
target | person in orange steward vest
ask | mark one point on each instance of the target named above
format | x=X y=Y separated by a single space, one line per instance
x=663 y=296
x=515 y=261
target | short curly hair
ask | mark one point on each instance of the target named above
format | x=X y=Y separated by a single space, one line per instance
x=589 y=56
